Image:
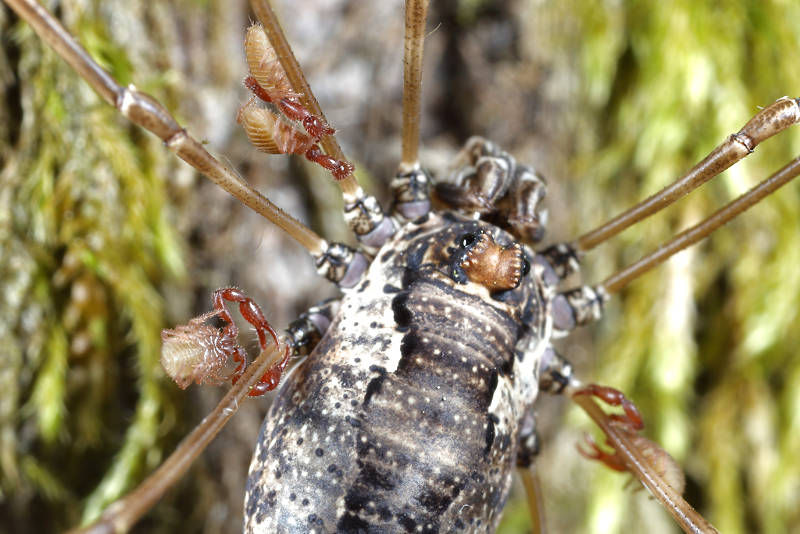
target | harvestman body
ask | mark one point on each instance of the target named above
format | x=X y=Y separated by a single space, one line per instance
x=406 y=417
x=412 y=409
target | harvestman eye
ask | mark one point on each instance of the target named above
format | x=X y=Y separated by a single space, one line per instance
x=467 y=240
x=526 y=266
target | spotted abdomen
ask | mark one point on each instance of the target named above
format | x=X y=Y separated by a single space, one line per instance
x=405 y=417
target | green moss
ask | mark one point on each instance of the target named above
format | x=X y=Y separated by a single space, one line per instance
x=705 y=345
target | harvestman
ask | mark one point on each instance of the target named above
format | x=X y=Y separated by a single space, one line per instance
x=342 y=265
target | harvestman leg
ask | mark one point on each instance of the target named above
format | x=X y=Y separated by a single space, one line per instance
x=337 y=262
x=631 y=452
x=362 y=212
x=410 y=187
x=584 y=304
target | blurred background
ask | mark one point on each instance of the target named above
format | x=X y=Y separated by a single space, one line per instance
x=105 y=238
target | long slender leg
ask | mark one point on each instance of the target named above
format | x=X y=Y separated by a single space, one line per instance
x=694 y=234
x=297 y=80
x=527 y=451
x=120 y=516
x=416 y=15
x=584 y=304
x=533 y=492
x=644 y=459
x=335 y=261
x=268 y=81
x=257 y=378
x=362 y=212
x=771 y=120
x=410 y=186
x=648 y=462
x=146 y=112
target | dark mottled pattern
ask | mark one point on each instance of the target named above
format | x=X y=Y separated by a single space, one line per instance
x=406 y=416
